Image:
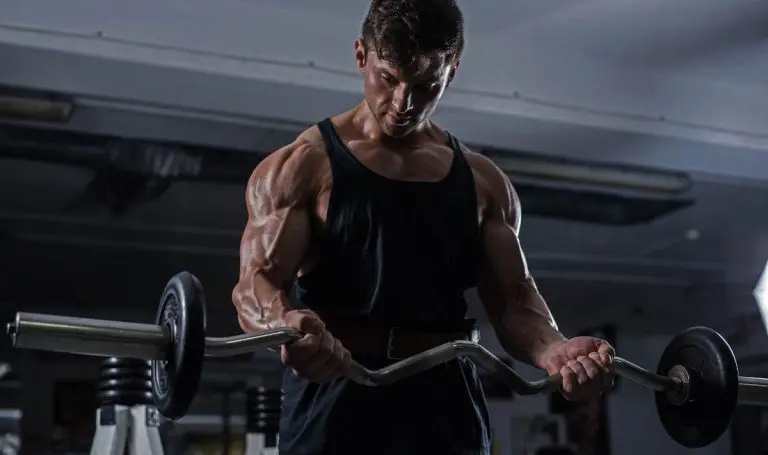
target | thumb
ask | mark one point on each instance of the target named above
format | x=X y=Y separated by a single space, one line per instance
x=305 y=321
x=606 y=352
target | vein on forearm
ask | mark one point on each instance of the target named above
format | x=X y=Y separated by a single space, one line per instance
x=525 y=327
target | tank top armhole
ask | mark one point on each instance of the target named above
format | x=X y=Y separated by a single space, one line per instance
x=325 y=126
x=468 y=176
x=337 y=172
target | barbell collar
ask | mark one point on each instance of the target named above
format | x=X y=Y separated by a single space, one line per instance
x=753 y=391
x=95 y=337
x=107 y=338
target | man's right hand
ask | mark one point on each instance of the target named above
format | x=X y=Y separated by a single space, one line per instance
x=317 y=356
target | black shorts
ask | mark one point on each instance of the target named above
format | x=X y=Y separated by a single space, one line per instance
x=440 y=411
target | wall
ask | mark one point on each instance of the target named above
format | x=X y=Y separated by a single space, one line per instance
x=96 y=50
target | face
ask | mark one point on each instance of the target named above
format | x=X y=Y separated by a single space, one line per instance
x=402 y=99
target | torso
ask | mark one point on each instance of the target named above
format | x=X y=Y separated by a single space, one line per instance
x=394 y=245
x=429 y=163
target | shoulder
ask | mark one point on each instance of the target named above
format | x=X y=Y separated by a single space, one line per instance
x=502 y=199
x=304 y=152
x=290 y=173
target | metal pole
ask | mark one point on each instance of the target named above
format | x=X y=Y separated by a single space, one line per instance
x=88 y=336
x=107 y=338
x=753 y=391
x=248 y=343
x=642 y=376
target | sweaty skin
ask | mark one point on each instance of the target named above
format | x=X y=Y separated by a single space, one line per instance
x=389 y=132
x=281 y=196
x=287 y=199
x=276 y=237
x=519 y=314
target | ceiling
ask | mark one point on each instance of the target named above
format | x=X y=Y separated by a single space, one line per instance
x=652 y=84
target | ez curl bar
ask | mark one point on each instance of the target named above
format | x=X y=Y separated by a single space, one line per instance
x=697 y=384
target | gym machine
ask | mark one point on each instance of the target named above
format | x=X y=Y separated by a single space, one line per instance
x=263 y=406
x=126 y=420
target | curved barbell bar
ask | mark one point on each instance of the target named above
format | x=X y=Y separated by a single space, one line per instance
x=106 y=338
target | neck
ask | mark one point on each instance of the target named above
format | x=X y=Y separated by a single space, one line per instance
x=366 y=123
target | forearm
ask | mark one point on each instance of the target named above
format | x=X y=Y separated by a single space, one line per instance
x=260 y=304
x=526 y=337
x=526 y=328
x=279 y=197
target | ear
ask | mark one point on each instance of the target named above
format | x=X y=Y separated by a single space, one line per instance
x=360 y=54
x=452 y=72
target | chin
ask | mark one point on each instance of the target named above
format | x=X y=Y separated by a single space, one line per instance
x=396 y=131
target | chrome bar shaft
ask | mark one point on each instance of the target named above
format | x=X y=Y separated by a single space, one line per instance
x=146 y=341
x=753 y=391
x=248 y=343
x=443 y=353
x=645 y=378
x=423 y=361
x=83 y=336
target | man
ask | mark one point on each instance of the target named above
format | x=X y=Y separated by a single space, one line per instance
x=383 y=220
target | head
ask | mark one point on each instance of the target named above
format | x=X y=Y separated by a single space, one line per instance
x=408 y=53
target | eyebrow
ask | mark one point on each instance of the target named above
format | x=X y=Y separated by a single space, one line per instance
x=427 y=77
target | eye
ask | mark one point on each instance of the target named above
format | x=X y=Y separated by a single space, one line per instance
x=427 y=87
x=388 y=78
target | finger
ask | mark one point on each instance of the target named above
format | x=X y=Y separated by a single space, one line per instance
x=320 y=367
x=570 y=379
x=599 y=362
x=590 y=367
x=607 y=376
x=333 y=368
x=298 y=352
x=607 y=353
x=581 y=373
x=325 y=352
x=304 y=321
x=554 y=364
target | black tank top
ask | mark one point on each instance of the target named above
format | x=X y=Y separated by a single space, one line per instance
x=398 y=253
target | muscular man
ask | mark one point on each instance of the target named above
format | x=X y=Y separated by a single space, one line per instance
x=383 y=220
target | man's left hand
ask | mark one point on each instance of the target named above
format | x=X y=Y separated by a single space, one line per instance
x=584 y=363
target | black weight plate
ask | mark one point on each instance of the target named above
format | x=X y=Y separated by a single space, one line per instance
x=709 y=360
x=182 y=312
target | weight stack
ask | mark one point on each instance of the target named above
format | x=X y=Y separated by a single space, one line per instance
x=126 y=382
x=263 y=406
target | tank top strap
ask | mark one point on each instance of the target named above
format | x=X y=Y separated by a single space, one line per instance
x=342 y=163
x=467 y=198
x=461 y=164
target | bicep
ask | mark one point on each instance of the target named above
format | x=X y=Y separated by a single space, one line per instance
x=504 y=264
x=505 y=270
x=277 y=234
x=274 y=243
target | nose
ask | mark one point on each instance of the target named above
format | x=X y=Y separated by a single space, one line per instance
x=403 y=100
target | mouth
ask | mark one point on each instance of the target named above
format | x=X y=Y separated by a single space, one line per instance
x=398 y=121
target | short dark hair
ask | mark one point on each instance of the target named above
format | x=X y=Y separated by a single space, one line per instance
x=402 y=31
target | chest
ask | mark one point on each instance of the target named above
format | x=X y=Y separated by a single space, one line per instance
x=323 y=200
x=429 y=163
